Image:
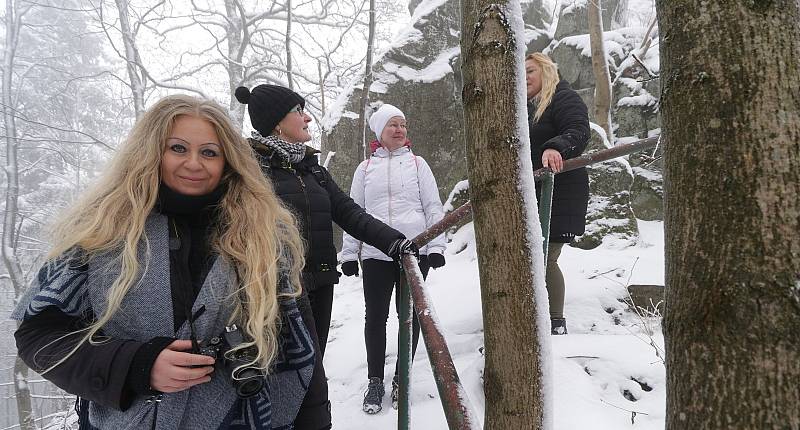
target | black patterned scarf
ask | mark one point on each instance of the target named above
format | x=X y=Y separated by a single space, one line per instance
x=291 y=152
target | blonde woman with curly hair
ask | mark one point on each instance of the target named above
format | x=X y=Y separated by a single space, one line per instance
x=167 y=300
x=558 y=121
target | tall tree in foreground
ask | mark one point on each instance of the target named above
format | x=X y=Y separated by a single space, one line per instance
x=731 y=120
x=507 y=233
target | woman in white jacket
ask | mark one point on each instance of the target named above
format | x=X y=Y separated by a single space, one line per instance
x=398 y=188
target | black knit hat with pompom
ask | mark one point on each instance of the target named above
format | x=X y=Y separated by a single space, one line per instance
x=268 y=104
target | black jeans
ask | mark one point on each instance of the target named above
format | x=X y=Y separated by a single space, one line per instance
x=380 y=278
x=315 y=411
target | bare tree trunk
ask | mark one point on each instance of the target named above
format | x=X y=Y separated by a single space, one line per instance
x=322 y=138
x=23 y=394
x=9 y=246
x=289 y=43
x=362 y=115
x=131 y=58
x=237 y=33
x=602 y=78
x=492 y=94
x=731 y=119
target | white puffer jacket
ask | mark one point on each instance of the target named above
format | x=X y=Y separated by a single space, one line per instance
x=399 y=189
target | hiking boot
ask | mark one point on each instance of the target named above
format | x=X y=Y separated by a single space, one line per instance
x=373 y=398
x=558 y=326
x=395 y=391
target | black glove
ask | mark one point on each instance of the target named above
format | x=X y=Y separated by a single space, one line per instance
x=350 y=268
x=435 y=260
x=402 y=246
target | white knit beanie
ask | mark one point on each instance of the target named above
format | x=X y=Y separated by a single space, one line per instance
x=381 y=116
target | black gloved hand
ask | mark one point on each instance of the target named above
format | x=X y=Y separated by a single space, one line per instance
x=350 y=268
x=435 y=260
x=402 y=246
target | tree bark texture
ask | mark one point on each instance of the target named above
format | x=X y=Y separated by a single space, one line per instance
x=731 y=118
x=512 y=377
x=602 y=78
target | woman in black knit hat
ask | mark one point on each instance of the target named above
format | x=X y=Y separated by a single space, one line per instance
x=281 y=130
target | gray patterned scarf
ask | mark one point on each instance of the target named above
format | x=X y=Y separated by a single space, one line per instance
x=291 y=152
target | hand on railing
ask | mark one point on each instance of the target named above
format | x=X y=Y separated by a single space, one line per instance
x=552 y=159
x=401 y=247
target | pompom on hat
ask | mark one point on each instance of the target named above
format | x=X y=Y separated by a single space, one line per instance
x=268 y=104
x=381 y=116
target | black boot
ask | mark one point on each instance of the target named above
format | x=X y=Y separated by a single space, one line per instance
x=558 y=326
x=373 y=398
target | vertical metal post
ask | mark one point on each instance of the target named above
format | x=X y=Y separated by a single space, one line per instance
x=404 y=353
x=545 y=206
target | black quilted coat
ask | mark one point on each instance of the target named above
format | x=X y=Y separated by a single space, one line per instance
x=564 y=126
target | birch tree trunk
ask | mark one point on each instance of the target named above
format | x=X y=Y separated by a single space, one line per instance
x=602 y=78
x=731 y=118
x=513 y=380
x=131 y=58
x=9 y=245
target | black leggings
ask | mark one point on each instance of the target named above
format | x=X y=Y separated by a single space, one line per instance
x=380 y=278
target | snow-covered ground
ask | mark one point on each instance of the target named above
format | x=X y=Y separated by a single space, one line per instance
x=607 y=375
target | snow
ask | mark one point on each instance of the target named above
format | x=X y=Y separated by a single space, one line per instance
x=437 y=69
x=616 y=42
x=592 y=366
x=533 y=235
x=424 y=8
x=643 y=99
x=337 y=109
x=650 y=175
x=458 y=188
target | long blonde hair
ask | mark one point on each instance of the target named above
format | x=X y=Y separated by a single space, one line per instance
x=253 y=230
x=550 y=79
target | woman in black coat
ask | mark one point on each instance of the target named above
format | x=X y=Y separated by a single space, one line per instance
x=559 y=130
x=306 y=188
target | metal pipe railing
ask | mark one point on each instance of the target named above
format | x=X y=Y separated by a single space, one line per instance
x=604 y=155
x=404 y=350
x=457 y=409
x=545 y=207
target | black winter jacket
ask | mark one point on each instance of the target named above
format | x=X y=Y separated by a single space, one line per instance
x=564 y=126
x=310 y=192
